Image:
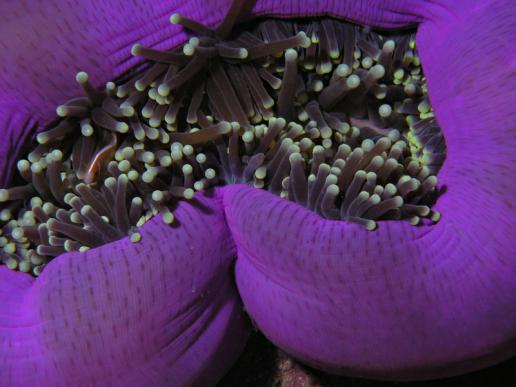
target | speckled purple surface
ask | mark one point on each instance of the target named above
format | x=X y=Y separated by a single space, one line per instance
x=402 y=302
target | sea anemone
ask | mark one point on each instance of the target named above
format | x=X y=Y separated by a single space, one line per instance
x=331 y=116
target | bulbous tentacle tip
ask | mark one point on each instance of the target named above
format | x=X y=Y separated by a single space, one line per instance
x=136 y=50
x=175 y=18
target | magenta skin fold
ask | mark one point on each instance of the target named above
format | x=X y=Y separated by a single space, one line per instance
x=400 y=303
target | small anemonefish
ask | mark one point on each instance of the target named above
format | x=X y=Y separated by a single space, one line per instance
x=100 y=159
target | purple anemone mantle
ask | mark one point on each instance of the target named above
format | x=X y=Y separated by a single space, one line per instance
x=399 y=303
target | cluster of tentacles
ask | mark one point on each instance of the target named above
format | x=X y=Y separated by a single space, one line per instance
x=324 y=113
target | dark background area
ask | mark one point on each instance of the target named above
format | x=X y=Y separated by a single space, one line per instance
x=263 y=365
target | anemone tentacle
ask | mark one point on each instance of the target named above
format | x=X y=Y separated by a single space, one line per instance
x=351 y=141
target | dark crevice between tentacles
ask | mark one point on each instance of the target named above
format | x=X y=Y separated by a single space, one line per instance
x=332 y=116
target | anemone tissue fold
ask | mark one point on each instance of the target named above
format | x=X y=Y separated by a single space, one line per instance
x=291 y=170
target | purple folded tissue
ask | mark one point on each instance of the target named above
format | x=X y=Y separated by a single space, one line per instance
x=337 y=175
